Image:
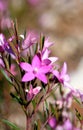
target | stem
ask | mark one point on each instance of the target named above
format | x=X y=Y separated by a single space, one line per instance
x=28 y=118
x=28 y=123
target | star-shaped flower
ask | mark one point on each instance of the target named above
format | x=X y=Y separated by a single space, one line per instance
x=62 y=76
x=35 y=70
x=4 y=45
x=46 y=59
x=32 y=92
x=31 y=38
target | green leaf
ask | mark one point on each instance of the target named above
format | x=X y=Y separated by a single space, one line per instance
x=35 y=47
x=79 y=116
x=12 y=125
x=43 y=39
x=34 y=103
x=47 y=108
x=6 y=76
x=77 y=100
x=18 y=99
x=52 y=108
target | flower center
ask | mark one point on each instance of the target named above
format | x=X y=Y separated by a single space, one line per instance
x=35 y=70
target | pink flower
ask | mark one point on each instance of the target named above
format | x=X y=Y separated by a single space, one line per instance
x=32 y=92
x=5 y=23
x=3 y=5
x=4 y=46
x=47 y=44
x=62 y=76
x=35 y=70
x=30 y=39
x=68 y=125
x=46 y=59
x=3 y=43
x=12 y=69
x=52 y=122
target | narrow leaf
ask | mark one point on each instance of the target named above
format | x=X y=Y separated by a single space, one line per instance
x=12 y=125
x=6 y=76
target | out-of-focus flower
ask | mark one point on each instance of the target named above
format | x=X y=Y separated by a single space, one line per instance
x=59 y=127
x=47 y=44
x=52 y=122
x=13 y=69
x=28 y=43
x=68 y=125
x=3 y=43
x=3 y=5
x=32 y=92
x=62 y=76
x=35 y=70
x=5 y=22
x=30 y=39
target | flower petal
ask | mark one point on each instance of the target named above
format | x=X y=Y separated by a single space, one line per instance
x=36 y=90
x=66 y=84
x=45 y=54
x=66 y=77
x=64 y=69
x=44 y=69
x=46 y=62
x=36 y=62
x=41 y=77
x=53 y=59
x=28 y=77
x=47 y=44
x=26 y=66
x=56 y=73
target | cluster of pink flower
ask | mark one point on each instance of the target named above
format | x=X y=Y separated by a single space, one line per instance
x=39 y=73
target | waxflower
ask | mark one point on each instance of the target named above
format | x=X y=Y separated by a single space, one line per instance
x=47 y=44
x=13 y=69
x=46 y=59
x=41 y=74
x=3 y=5
x=68 y=125
x=52 y=122
x=28 y=42
x=5 y=23
x=4 y=46
x=62 y=76
x=35 y=70
x=3 y=43
x=30 y=39
x=32 y=92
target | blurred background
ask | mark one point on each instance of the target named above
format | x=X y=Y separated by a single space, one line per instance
x=62 y=22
